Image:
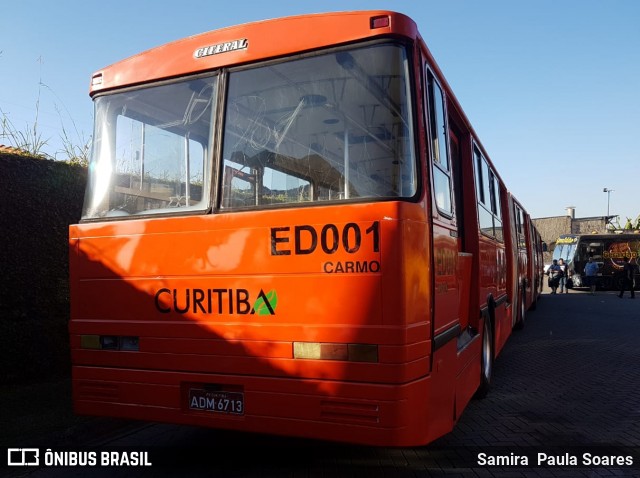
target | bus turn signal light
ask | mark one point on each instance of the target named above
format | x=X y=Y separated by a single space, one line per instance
x=380 y=22
x=331 y=351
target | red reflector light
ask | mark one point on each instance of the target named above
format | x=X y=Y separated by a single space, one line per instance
x=96 y=80
x=380 y=22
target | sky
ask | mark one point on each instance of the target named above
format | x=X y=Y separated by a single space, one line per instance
x=551 y=87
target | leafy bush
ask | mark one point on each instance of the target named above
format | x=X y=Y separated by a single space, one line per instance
x=40 y=198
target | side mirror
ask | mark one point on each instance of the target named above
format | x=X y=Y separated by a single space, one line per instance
x=544 y=247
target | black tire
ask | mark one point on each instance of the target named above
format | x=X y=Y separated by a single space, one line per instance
x=486 y=360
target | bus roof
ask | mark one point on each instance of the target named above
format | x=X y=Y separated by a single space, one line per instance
x=250 y=42
x=564 y=238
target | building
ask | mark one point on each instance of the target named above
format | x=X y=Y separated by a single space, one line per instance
x=552 y=227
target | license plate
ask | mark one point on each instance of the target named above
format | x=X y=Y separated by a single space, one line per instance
x=219 y=401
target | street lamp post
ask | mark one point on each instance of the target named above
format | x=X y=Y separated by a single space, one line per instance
x=608 y=191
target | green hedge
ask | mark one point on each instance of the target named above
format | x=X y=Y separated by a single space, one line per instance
x=38 y=200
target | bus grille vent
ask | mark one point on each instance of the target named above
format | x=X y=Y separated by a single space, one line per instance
x=350 y=412
x=98 y=391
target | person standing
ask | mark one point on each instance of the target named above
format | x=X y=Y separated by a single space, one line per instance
x=590 y=273
x=628 y=271
x=564 y=277
x=554 y=276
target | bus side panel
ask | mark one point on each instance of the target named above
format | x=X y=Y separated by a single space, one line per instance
x=511 y=246
x=469 y=373
x=446 y=318
x=493 y=289
x=446 y=282
x=443 y=388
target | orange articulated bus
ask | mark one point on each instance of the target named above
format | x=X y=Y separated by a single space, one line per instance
x=292 y=234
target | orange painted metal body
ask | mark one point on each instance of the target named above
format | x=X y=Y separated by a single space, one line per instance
x=220 y=299
x=118 y=269
x=266 y=39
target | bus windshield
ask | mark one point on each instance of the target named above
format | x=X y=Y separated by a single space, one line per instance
x=328 y=127
x=564 y=251
x=150 y=150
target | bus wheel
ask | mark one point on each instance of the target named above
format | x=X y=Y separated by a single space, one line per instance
x=486 y=365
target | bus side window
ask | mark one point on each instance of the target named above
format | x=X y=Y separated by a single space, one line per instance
x=496 y=208
x=438 y=143
x=595 y=250
x=483 y=188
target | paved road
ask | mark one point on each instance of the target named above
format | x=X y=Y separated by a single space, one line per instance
x=568 y=384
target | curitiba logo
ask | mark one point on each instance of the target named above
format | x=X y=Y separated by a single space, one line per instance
x=266 y=304
x=216 y=301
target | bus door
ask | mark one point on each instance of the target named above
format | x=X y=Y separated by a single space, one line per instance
x=445 y=319
x=464 y=255
x=446 y=235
